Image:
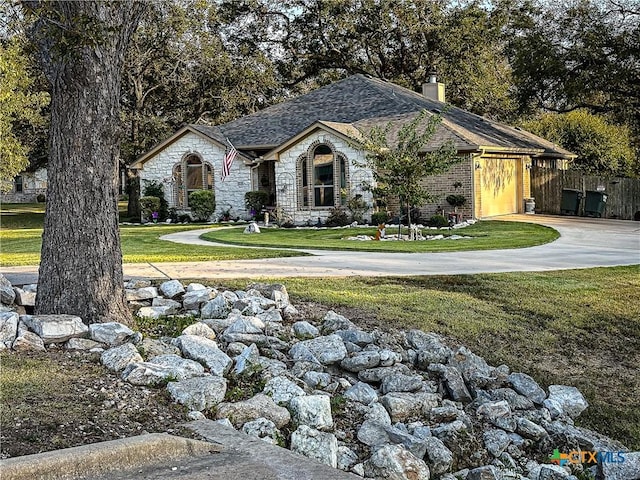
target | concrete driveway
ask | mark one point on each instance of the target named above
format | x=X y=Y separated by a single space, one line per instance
x=583 y=243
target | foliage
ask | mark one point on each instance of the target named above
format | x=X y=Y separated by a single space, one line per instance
x=245 y=385
x=337 y=218
x=438 y=221
x=19 y=104
x=456 y=200
x=156 y=189
x=379 y=217
x=255 y=202
x=149 y=205
x=165 y=326
x=400 y=163
x=602 y=147
x=41 y=198
x=202 y=204
x=357 y=206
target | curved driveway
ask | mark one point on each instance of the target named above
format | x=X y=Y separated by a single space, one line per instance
x=583 y=243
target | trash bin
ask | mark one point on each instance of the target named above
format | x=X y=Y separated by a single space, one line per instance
x=570 y=202
x=529 y=206
x=594 y=203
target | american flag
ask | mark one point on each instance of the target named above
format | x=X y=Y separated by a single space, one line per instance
x=228 y=161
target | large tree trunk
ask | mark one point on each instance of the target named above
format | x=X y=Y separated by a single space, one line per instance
x=82 y=45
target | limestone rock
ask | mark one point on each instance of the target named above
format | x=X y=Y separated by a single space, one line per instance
x=264 y=429
x=325 y=350
x=527 y=386
x=453 y=381
x=8 y=327
x=117 y=358
x=438 y=456
x=375 y=375
x=401 y=383
x=150 y=348
x=144 y=293
x=56 y=328
x=111 y=333
x=312 y=410
x=136 y=283
x=198 y=393
x=358 y=337
x=219 y=307
x=200 y=329
x=282 y=390
x=403 y=406
x=245 y=325
x=24 y=296
x=346 y=458
x=83 y=344
x=193 y=299
x=373 y=433
x=499 y=414
x=248 y=358
x=393 y=462
x=258 y=406
x=204 y=351
x=361 y=392
x=529 y=429
x=155 y=312
x=488 y=472
x=361 y=361
x=171 y=288
x=565 y=400
x=7 y=295
x=304 y=330
x=316 y=379
x=617 y=469
x=496 y=441
x=415 y=445
x=28 y=341
x=333 y=321
x=314 y=444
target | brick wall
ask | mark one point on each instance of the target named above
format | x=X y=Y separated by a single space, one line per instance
x=443 y=185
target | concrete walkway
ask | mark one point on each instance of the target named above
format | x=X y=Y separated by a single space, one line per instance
x=584 y=243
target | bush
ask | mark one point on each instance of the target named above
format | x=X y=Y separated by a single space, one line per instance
x=337 y=218
x=438 y=221
x=379 y=217
x=202 y=204
x=415 y=213
x=155 y=189
x=456 y=200
x=255 y=202
x=40 y=198
x=148 y=205
x=357 y=206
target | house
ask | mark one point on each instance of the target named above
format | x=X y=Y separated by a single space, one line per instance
x=304 y=153
x=27 y=187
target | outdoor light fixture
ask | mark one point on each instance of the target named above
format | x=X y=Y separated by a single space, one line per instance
x=478 y=166
x=528 y=166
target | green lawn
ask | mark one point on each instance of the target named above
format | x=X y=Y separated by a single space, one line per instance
x=573 y=327
x=488 y=234
x=21 y=239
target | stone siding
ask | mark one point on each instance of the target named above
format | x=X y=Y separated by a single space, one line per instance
x=229 y=193
x=33 y=184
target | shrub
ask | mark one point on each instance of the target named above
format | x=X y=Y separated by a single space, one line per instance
x=40 y=198
x=155 y=189
x=456 y=200
x=379 y=217
x=357 y=206
x=148 y=205
x=202 y=204
x=337 y=218
x=255 y=202
x=415 y=213
x=438 y=221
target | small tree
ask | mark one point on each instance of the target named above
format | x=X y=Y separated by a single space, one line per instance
x=202 y=204
x=400 y=164
x=255 y=202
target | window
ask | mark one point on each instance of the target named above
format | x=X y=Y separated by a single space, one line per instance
x=18 y=184
x=322 y=177
x=191 y=175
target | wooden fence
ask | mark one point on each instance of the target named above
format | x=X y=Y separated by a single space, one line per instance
x=623 y=194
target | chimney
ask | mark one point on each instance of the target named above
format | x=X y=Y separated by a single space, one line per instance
x=433 y=90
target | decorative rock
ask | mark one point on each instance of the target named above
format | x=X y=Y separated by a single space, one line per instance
x=150 y=348
x=415 y=445
x=136 y=283
x=515 y=400
x=488 y=472
x=219 y=307
x=333 y=321
x=195 y=287
x=204 y=351
x=111 y=333
x=401 y=383
x=182 y=367
x=8 y=327
x=304 y=330
x=144 y=293
x=358 y=337
x=325 y=350
x=619 y=470
x=117 y=358
x=438 y=456
x=28 y=341
x=82 y=344
x=171 y=288
x=150 y=374
x=373 y=433
x=247 y=358
x=496 y=441
x=7 y=295
x=316 y=379
x=403 y=406
x=193 y=299
x=389 y=358
x=312 y=410
x=346 y=458
x=499 y=414
x=282 y=390
x=155 y=312
x=274 y=291
x=565 y=400
x=374 y=375
x=200 y=329
x=56 y=328
x=24 y=297
x=166 y=302
x=393 y=462
x=266 y=341
x=453 y=382
x=529 y=429
x=270 y=316
x=258 y=406
x=446 y=413
x=245 y=325
x=361 y=361
x=527 y=386
x=264 y=429
x=314 y=444
x=198 y=393
x=361 y=392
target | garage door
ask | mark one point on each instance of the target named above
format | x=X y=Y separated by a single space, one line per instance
x=499 y=187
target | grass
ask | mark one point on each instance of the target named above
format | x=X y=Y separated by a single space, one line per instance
x=488 y=234
x=576 y=327
x=21 y=240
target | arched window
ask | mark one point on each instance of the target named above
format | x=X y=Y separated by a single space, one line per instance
x=190 y=175
x=322 y=176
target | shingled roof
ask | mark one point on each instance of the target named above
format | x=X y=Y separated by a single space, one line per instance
x=363 y=102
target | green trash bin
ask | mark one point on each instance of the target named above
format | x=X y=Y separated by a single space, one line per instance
x=570 y=201
x=594 y=203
